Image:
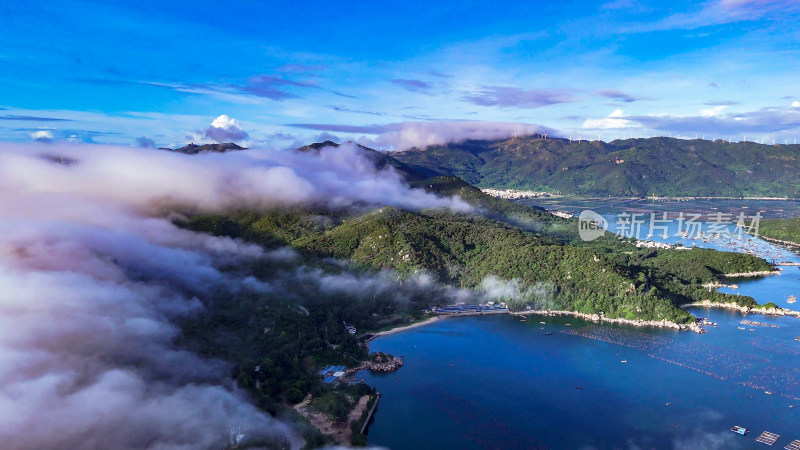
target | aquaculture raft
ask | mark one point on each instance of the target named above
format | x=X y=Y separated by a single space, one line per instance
x=794 y=445
x=758 y=324
x=768 y=438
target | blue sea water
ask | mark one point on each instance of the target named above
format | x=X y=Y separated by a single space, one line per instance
x=512 y=386
x=498 y=382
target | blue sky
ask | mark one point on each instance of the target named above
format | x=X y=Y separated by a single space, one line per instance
x=394 y=74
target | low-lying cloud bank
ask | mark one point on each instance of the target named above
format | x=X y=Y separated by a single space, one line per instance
x=405 y=135
x=149 y=179
x=94 y=276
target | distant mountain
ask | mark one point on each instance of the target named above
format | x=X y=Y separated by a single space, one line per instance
x=631 y=167
x=192 y=149
x=381 y=160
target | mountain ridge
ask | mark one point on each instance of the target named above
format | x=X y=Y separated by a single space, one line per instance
x=630 y=167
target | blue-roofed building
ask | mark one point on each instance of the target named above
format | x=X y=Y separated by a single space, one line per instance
x=332 y=373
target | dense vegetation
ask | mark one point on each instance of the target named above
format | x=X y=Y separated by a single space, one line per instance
x=375 y=268
x=782 y=229
x=630 y=167
x=278 y=340
x=464 y=251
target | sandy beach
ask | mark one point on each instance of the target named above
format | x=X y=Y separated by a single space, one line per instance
x=404 y=327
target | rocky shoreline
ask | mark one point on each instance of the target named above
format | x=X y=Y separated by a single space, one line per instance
x=746 y=309
x=653 y=197
x=634 y=322
x=383 y=363
x=761 y=273
x=778 y=241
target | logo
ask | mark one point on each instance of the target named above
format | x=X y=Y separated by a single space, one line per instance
x=591 y=225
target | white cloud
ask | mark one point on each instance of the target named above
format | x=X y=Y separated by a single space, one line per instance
x=422 y=134
x=715 y=12
x=614 y=120
x=713 y=112
x=42 y=136
x=256 y=178
x=94 y=280
x=405 y=135
x=225 y=129
x=795 y=104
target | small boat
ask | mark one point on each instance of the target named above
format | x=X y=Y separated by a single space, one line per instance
x=741 y=328
x=740 y=430
x=624 y=361
x=542 y=323
x=452 y=365
x=668 y=403
x=797 y=338
x=579 y=388
x=768 y=392
x=548 y=334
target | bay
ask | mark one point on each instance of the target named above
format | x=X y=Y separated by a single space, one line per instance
x=499 y=382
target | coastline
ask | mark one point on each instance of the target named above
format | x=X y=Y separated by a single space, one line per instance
x=590 y=317
x=762 y=273
x=745 y=309
x=653 y=197
x=777 y=241
x=634 y=322
x=421 y=323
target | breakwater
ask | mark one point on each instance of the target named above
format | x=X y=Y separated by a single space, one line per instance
x=745 y=309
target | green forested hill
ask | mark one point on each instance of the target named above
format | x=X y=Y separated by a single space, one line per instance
x=373 y=267
x=499 y=239
x=631 y=167
x=462 y=251
x=781 y=229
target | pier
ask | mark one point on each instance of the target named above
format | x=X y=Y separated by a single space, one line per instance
x=371 y=412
